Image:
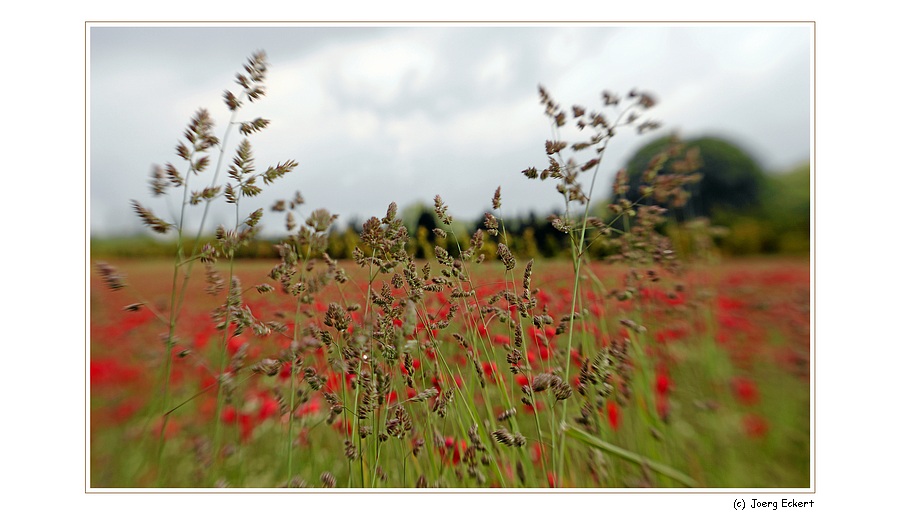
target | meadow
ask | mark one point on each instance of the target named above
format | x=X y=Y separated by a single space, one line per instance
x=641 y=359
x=711 y=385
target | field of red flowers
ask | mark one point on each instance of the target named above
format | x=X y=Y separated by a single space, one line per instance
x=698 y=379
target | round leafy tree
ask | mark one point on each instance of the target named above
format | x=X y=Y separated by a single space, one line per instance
x=732 y=180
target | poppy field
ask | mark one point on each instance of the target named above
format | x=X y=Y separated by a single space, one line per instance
x=454 y=356
x=699 y=378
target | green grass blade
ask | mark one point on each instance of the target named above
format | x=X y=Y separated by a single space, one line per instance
x=612 y=449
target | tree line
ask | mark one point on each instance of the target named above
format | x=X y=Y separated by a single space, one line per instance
x=747 y=211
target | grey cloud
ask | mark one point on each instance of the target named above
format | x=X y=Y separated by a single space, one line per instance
x=380 y=114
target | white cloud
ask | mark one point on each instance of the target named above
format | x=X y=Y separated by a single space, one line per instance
x=404 y=113
x=382 y=70
x=494 y=70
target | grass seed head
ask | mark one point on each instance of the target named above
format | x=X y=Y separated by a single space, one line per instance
x=506 y=256
x=111 y=276
x=328 y=480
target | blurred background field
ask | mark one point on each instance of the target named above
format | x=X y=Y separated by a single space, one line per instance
x=726 y=394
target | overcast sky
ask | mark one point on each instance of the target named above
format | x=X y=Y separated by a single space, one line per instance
x=375 y=114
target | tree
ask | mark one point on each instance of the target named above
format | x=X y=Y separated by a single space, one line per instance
x=787 y=209
x=732 y=181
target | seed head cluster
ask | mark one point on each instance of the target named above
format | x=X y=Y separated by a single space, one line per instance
x=406 y=364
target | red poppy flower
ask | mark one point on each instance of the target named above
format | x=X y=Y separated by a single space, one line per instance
x=728 y=304
x=663 y=383
x=612 y=413
x=269 y=408
x=755 y=426
x=489 y=368
x=108 y=371
x=745 y=390
x=543 y=297
x=452 y=450
x=285 y=371
x=536 y=335
x=229 y=414
x=201 y=339
x=235 y=343
x=538 y=406
x=545 y=352
x=576 y=357
x=313 y=406
x=247 y=426
x=341 y=426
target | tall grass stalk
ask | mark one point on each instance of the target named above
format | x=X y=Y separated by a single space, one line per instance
x=568 y=173
x=199 y=141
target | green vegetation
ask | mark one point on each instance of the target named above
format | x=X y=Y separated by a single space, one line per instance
x=755 y=212
x=447 y=354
